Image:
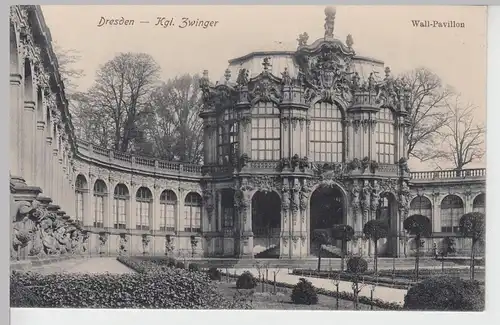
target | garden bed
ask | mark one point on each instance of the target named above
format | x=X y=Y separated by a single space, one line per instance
x=399 y=279
x=154 y=286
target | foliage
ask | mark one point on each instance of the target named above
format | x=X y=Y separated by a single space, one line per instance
x=376 y=229
x=194 y=267
x=304 y=293
x=472 y=225
x=173 y=129
x=154 y=287
x=180 y=265
x=343 y=232
x=447 y=294
x=357 y=265
x=246 y=281
x=214 y=274
x=418 y=225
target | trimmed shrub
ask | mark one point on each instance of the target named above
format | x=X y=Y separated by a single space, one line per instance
x=180 y=265
x=447 y=294
x=193 y=267
x=246 y=281
x=357 y=265
x=171 y=262
x=214 y=274
x=304 y=293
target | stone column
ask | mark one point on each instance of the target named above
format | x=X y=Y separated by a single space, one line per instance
x=244 y=227
x=29 y=145
x=15 y=124
x=55 y=174
x=48 y=164
x=88 y=204
x=40 y=155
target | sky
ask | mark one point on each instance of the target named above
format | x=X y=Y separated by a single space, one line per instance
x=457 y=55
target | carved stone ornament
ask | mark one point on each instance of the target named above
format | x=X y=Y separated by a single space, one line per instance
x=265 y=90
x=265 y=183
x=242 y=79
x=48 y=232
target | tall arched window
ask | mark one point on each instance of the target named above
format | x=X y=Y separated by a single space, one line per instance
x=144 y=202
x=227 y=205
x=479 y=203
x=384 y=136
x=452 y=209
x=325 y=133
x=192 y=212
x=80 y=190
x=421 y=205
x=120 y=199
x=227 y=136
x=266 y=130
x=99 y=195
x=168 y=210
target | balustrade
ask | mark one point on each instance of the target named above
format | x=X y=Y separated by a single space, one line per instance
x=449 y=174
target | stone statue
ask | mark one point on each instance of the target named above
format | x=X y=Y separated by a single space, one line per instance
x=329 y=21
x=355 y=197
x=146 y=239
x=285 y=205
x=242 y=79
x=285 y=77
x=375 y=196
x=303 y=38
x=366 y=197
x=22 y=233
x=122 y=247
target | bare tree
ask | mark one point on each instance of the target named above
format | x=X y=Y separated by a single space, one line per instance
x=67 y=59
x=463 y=136
x=174 y=126
x=427 y=114
x=121 y=91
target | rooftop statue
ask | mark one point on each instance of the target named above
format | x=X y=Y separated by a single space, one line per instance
x=329 y=21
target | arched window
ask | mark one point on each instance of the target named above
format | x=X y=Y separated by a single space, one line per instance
x=80 y=189
x=227 y=206
x=325 y=133
x=99 y=195
x=192 y=213
x=421 y=205
x=479 y=203
x=384 y=136
x=266 y=130
x=120 y=199
x=144 y=202
x=228 y=136
x=452 y=209
x=168 y=210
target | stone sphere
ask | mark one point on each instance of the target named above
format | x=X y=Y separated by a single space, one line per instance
x=330 y=11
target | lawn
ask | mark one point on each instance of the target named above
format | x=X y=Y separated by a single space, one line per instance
x=281 y=300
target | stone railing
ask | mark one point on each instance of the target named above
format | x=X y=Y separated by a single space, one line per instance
x=449 y=174
x=128 y=161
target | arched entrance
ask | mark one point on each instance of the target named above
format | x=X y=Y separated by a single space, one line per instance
x=266 y=224
x=327 y=210
x=388 y=211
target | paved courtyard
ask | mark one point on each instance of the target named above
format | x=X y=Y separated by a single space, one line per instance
x=89 y=265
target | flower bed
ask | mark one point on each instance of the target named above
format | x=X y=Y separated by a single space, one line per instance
x=154 y=286
x=341 y=295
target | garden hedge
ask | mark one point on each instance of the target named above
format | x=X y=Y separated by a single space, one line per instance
x=154 y=286
x=445 y=294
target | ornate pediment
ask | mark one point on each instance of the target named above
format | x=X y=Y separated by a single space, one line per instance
x=265 y=87
x=325 y=71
